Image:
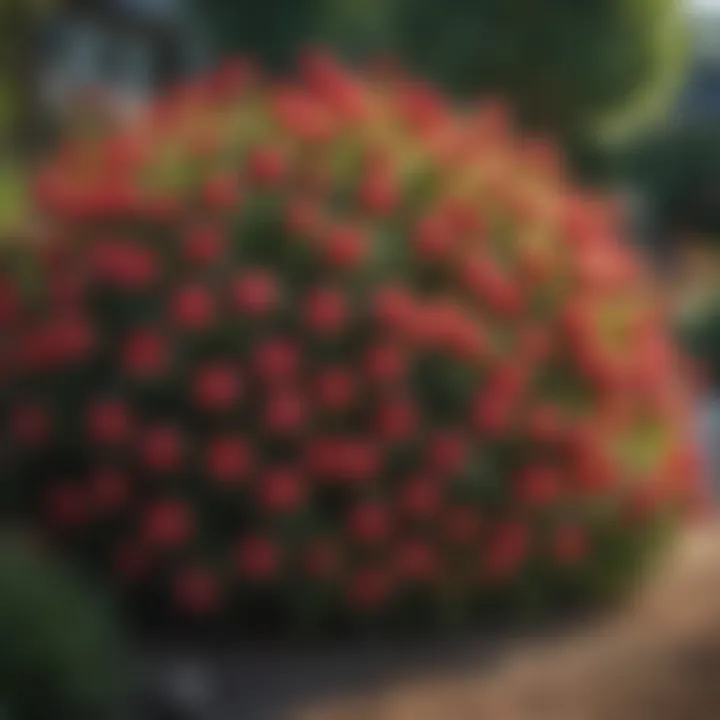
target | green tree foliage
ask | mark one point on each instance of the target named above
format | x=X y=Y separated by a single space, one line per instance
x=60 y=655
x=571 y=68
x=18 y=44
x=574 y=69
x=679 y=170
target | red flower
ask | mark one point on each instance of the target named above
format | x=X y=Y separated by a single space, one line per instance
x=345 y=247
x=276 y=360
x=285 y=413
x=432 y=239
x=446 y=327
x=491 y=413
x=125 y=264
x=217 y=387
x=447 y=453
x=255 y=294
x=281 y=490
x=161 y=449
x=345 y=96
x=257 y=559
x=417 y=561
x=356 y=460
x=168 y=524
x=67 y=339
x=545 y=424
x=379 y=192
x=268 y=166
x=108 y=422
x=222 y=192
x=231 y=80
x=193 y=307
x=303 y=218
x=301 y=114
x=593 y=470
x=196 y=590
x=489 y=285
x=326 y=311
x=394 y=308
x=228 y=459
x=335 y=388
x=385 y=363
x=163 y=207
x=569 y=545
x=321 y=457
x=420 y=498
x=145 y=354
x=507 y=550
x=538 y=486
x=397 y=420
x=370 y=523
x=204 y=245
x=535 y=344
x=462 y=218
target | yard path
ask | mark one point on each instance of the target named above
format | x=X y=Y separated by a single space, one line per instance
x=658 y=659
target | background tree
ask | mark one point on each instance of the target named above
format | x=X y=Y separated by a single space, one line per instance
x=586 y=73
x=61 y=652
x=19 y=116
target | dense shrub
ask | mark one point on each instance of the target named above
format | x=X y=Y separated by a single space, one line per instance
x=332 y=350
x=60 y=652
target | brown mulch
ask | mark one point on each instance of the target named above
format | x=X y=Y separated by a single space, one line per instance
x=656 y=660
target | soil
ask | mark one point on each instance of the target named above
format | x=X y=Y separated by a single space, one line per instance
x=657 y=658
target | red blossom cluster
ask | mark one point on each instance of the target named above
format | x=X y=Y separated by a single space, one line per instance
x=333 y=340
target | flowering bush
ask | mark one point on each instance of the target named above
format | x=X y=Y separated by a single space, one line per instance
x=333 y=350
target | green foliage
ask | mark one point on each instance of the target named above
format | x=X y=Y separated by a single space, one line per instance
x=574 y=69
x=679 y=172
x=596 y=70
x=272 y=32
x=13 y=200
x=60 y=654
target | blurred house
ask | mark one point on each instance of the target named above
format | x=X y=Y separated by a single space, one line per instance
x=700 y=100
x=126 y=49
